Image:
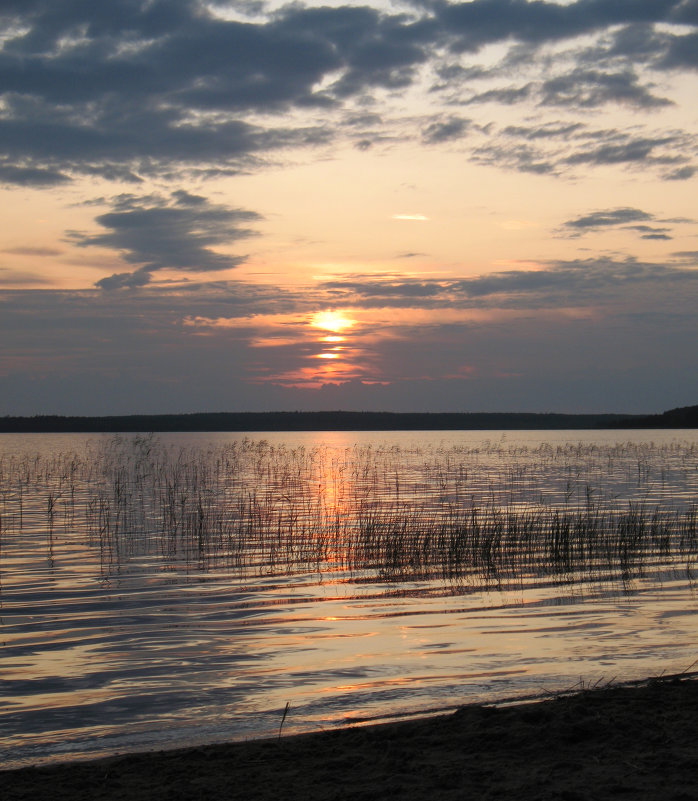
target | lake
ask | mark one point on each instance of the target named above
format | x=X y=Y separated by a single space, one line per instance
x=162 y=591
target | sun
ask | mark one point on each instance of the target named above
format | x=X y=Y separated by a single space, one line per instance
x=332 y=321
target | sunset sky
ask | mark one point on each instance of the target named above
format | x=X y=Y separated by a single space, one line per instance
x=410 y=206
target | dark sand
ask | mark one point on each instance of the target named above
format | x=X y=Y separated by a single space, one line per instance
x=638 y=742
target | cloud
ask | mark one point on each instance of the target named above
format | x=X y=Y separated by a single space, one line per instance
x=650 y=232
x=507 y=96
x=33 y=251
x=629 y=219
x=521 y=157
x=562 y=329
x=544 y=131
x=592 y=88
x=134 y=89
x=387 y=289
x=147 y=84
x=558 y=285
x=615 y=147
x=581 y=88
x=608 y=218
x=474 y=24
x=31 y=176
x=174 y=233
x=581 y=282
x=631 y=150
x=682 y=50
x=555 y=148
x=681 y=173
x=447 y=130
x=10 y=277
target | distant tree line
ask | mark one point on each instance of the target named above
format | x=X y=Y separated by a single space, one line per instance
x=686 y=417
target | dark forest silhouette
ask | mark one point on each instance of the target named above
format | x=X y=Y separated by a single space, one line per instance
x=684 y=417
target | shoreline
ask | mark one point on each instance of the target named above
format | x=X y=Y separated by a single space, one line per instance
x=637 y=740
x=342 y=420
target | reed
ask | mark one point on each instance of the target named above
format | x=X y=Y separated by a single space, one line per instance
x=462 y=515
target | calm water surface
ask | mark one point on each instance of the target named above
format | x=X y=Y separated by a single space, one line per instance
x=181 y=589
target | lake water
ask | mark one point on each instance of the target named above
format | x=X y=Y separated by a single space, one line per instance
x=183 y=588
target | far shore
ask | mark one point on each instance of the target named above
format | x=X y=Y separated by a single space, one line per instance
x=635 y=741
x=685 y=417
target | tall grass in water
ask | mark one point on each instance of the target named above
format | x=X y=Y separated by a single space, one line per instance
x=458 y=514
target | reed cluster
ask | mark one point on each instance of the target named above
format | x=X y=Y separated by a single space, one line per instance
x=388 y=514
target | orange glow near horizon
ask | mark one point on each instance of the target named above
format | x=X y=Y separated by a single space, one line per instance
x=325 y=340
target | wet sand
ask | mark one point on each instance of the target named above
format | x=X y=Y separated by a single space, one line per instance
x=634 y=742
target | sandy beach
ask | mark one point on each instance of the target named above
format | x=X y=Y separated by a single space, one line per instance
x=637 y=742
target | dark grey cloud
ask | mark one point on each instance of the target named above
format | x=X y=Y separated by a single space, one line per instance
x=514 y=156
x=582 y=88
x=640 y=44
x=607 y=218
x=640 y=149
x=681 y=51
x=545 y=131
x=650 y=232
x=592 y=88
x=559 y=284
x=681 y=173
x=508 y=96
x=148 y=140
x=474 y=24
x=366 y=120
x=453 y=73
x=557 y=147
x=31 y=176
x=439 y=131
x=644 y=44
x=595 y=281
x=627 y=219
x=143 y=84
x=134 y=88
x=177 y=233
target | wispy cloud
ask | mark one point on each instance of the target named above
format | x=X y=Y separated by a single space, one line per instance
x=9 y=278
x=439 y=131
x=608 y=218
x=628 y=219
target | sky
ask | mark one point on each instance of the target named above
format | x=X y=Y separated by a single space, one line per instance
x=404 y=206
